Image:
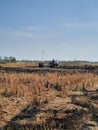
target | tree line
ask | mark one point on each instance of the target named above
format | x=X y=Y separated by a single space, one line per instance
x=7 y=59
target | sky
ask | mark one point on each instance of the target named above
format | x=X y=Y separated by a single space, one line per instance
x=62 y=29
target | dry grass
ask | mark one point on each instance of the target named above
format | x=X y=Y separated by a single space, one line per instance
x=52 y=89
x=33 y=84
x=18 y=64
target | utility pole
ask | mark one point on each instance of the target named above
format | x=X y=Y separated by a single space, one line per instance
x=42 y=55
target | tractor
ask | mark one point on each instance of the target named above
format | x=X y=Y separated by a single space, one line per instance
x=53 y=63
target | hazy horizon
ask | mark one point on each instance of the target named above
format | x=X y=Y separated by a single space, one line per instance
x=63 y=29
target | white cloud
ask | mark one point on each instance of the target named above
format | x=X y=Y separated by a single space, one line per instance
x=34 y=28
x=27 y=32
x=22 y=34
x=81 y=25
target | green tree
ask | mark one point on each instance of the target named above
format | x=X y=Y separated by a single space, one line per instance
x=12 y=59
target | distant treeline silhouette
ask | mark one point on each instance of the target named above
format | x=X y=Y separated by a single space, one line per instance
x=7 y=59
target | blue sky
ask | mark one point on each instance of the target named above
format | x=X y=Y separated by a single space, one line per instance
x=64 y=29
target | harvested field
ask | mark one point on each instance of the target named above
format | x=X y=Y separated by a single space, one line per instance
x=52 y=99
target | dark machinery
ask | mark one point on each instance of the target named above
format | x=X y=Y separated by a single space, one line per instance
x=41 y=65
x=53 y=63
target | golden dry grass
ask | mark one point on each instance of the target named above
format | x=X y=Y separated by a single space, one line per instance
x=53 y=89
x=33 y=84
x=19 y=64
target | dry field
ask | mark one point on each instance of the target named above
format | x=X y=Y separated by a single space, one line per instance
x=48 y=101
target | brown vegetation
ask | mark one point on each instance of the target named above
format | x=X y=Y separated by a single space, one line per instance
x=48 y=100
x=33 y=84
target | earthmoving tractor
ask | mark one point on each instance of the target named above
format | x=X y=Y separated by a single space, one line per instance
x=53 y=63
